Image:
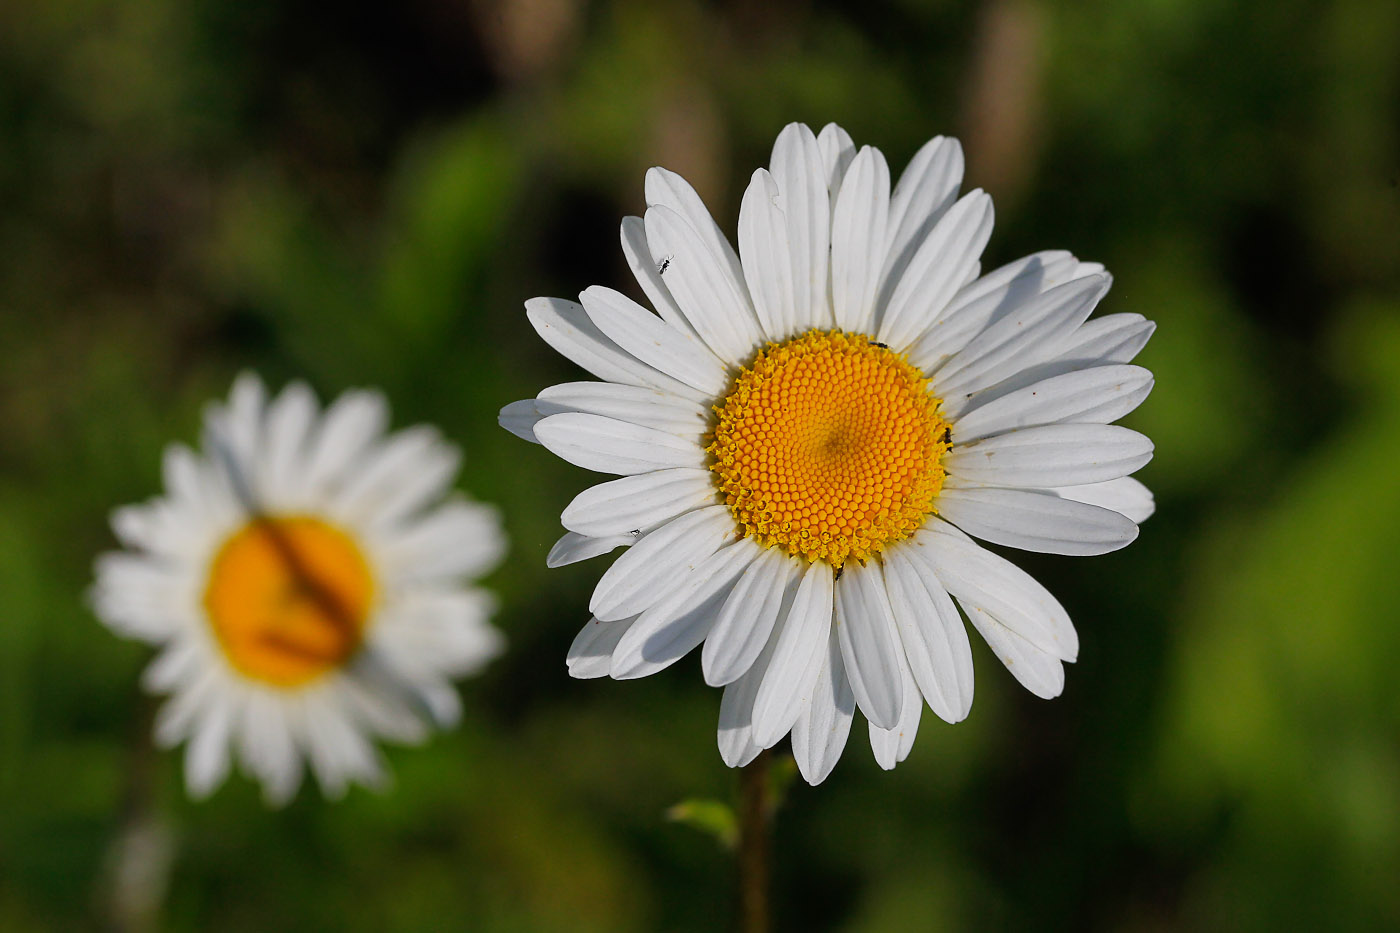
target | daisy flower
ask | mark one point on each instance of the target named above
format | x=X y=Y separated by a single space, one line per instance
x=811 y=431
x=307 y=581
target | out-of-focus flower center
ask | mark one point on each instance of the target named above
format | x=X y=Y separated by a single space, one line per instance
x=288 y=598
x=830 y=447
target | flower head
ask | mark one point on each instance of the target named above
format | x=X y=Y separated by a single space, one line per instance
x=309 y=588
x=810 y=432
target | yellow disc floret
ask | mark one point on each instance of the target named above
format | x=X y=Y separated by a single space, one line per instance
x=830 y=447
x=288 y=598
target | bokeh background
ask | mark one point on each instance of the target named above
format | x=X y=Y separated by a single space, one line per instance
x=365 y=194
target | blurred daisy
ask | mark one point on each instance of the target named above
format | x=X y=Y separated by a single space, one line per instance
x=812 y=429
x=309 y=587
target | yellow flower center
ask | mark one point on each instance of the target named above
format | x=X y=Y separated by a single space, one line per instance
x=830 y=447
x=288 y=598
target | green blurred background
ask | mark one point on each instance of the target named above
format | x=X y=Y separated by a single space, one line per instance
x=364 y=195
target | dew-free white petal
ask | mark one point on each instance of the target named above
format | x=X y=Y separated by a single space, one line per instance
x=655 y=566
x=1033 y=520
x=869 y=641
x=607 y=445
x=639 y=503
x=797 y=658
x=1051 y=455
x=1126 y=495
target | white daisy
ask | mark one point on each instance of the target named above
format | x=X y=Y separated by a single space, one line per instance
x=307 y=584
x=809 y=430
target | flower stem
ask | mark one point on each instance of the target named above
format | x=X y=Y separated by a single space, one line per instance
x=755 y=824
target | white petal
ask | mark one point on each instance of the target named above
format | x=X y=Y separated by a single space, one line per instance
x=891 y=746
x=837 y=149
x=207 y=755
x=653 y=567
x=1052 y=455
x=565 y=326
x=735 y=734
x=591 y=653
x=746 y=620
x=932 y=633
x=943 y=263
x=1125 y=495
x=520 y=418
x=644 y=269
x=140 y=597
x=572 y=548
x=457 y=538
x=640 y=405
x=819 y=735
x=716 y=305
x=1023 y=337
x=1035 y=520
x=638 y=503
x=1113 y=338
x=989 y=299
x=869 y=642
x=653 y=341
x=352 y=423
x=858 y=238
x=405 y=473
x=982 y=580
x=667 y=189
x=290 y=419
x=806 y=204
x=923 y=194
x=671 y=628
x=797 y=657
x=1040 y=672
x=767 y=256
x=1097 y=395
x=607 y=445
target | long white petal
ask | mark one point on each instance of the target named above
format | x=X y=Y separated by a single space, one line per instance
x=735 y=733
x=1126 y=495
x=806 y=204
x=767 y=256
x=716 y=305
x=988 y=299
x=934 y=638
x=520 y=418
x=654 y=566
x=837 y=150
x=1097 y=395
x=797 y=657
x=869 y=641
x=675 y=625
x=590 y=654
x=572 y=548
x=943 y=263
x=565 y=326
x=1024 y=336
x=653 y=341
x=820 y=733
x=1052 y=455
x=891 y=746
x=982 y=580
x=858 y=237
x=666 y=189
x=638 y=503
x=1040 y=672
x=927 y=187
x=607 y=445
x=1035 y=521
x=746 y=619
x=640 y=405
x=644 y=269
